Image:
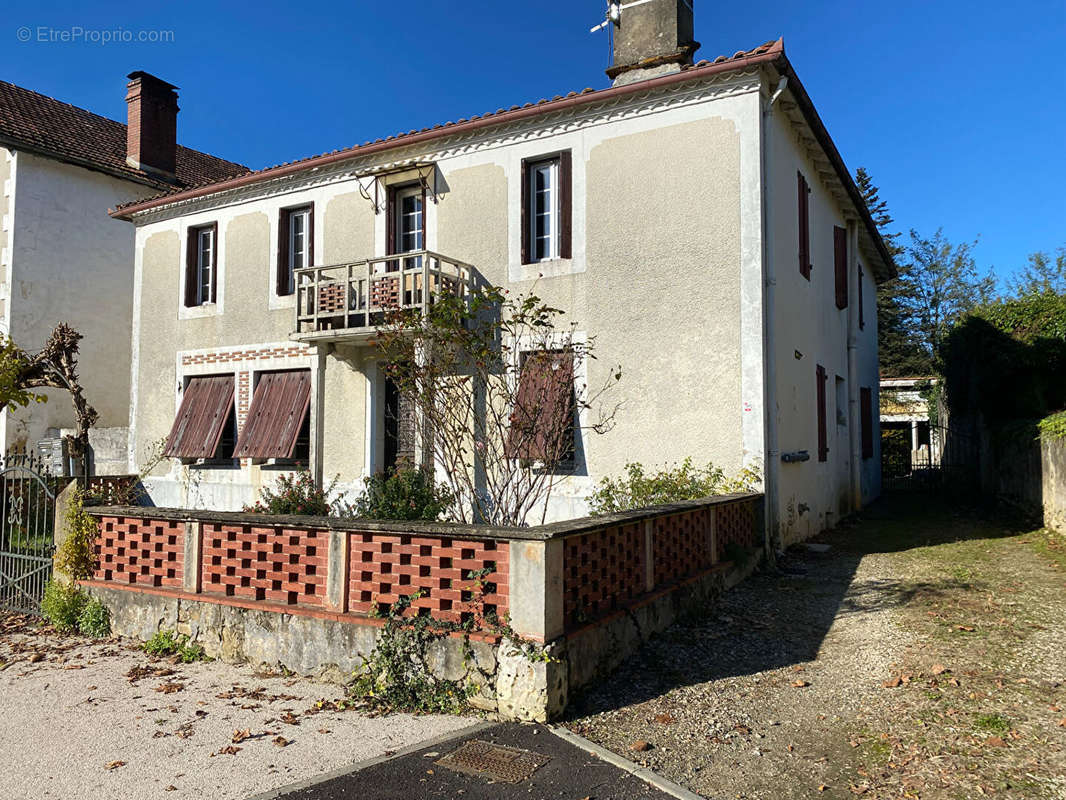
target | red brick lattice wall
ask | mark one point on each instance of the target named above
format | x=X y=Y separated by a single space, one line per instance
x=331 y=298
x=602 y=571
x=140 y=551
x=682 y=545
x=382 y=568
x=736 y=525
x=252 y=563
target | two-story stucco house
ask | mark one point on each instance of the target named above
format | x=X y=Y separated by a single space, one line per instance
x=62 y=259
x=695 y=218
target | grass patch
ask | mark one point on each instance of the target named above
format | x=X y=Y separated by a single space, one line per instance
x=168 y=643
x=991 y=723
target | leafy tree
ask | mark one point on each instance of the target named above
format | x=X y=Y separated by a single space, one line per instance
x=939 y=283
x=1043 y=273
x=899 y=352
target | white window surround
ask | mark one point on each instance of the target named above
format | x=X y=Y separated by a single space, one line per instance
x=206 y=309
x=543 y=210
x=528 y=155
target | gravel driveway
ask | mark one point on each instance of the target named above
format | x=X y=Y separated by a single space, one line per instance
x=101 y=720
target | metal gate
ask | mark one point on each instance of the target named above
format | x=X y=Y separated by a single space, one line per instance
x=27 y=528
x=944 y=459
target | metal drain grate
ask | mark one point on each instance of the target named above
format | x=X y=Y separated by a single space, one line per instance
x=487 y=760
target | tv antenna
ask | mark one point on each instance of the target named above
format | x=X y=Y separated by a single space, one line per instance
x=615 y=9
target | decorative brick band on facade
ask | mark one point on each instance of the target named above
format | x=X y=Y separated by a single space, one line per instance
x=254 y=563
x=140 y=551
x=382 y=568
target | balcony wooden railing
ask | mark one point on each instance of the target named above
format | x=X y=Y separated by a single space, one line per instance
x=348 y=301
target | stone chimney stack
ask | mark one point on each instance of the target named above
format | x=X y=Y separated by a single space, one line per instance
x=652 y=38
x=152 y=125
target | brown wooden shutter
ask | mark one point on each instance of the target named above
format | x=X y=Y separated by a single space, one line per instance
x=823 y=441
x=803 y=211
x=191 y=250
x=205 y=409
x=525 y=212
x=214 y=261
x=543 y=418
x=311 y=235
x=840 y=265
x=281 y=284
x=566 y=204
x=862 y=309
x=279 y=406
x=867 y=419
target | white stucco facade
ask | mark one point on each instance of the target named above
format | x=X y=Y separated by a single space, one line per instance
x=683 y=270
x=64 y=259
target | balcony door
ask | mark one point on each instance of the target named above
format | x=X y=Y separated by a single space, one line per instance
x=409 y=225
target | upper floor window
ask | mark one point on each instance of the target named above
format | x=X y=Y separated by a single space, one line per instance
x=804 y=214
x=201 y=267
x=546 y=208
x=296 y=246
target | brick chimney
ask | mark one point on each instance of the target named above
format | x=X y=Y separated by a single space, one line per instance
x=652 y=38
x=152 y=125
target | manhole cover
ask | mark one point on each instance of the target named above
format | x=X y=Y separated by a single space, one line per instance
x=494 y=761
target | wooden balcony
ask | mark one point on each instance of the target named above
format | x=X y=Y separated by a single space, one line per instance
x=346 y=302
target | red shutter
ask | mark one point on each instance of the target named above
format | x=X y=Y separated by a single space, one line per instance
x=205 y=408
x=840 y=264
x=803 y=210
x=214 y=261
x=279 y=406
x=525 y=213
x=867 y=417
x=566 y=203
x=282 y=277
x=823 y=445
x=543 y=418
x=862 y=310
x=191 y=249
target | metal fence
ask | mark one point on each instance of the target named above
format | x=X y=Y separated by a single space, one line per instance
x=27 y=528
x=946 y=460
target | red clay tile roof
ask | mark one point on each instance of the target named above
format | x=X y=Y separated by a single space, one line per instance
x=52 y=128
x=399 y=139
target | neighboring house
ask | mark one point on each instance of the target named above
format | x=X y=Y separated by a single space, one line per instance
x=696 y=219
x=63 y=259
x=912 y=441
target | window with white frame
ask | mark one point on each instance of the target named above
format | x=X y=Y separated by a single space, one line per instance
x=544 y=210
x=201 y=269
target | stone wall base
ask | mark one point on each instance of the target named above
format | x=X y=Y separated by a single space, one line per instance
x=509 y=682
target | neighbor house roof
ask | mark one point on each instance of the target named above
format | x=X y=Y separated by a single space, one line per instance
x=770 y=53
x=38 y=123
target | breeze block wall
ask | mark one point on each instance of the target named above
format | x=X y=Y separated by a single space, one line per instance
x=308 y=592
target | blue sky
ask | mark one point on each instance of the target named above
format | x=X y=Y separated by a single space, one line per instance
x=956 y=108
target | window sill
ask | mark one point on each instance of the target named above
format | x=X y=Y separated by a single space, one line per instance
x=551 y=268
x=200 y=311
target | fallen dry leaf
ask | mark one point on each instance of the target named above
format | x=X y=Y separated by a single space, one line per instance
x=115 y=764
x=169 y=688
x=323 y=730
x=892 y=683
x=967 y=628
x=280 y=741
x=639 y=746
x=1062 y=722
x=939 y=669
x=822 y=787
x=239 y=735
x=171 y=788
x=800 y=684
x=229 y=750
x=995 y=741
x=289 y=718
x=665 y=719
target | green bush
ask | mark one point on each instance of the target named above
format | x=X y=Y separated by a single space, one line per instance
x=408 y=494
x=670 y=484
x=169 y=643
x=295 y=494
x=76 y=556
x=94 y=619
x=63 y=604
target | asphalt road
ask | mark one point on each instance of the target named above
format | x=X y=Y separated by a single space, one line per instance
x=569 y=772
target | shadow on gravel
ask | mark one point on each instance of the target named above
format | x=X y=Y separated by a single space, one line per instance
x=779 y=619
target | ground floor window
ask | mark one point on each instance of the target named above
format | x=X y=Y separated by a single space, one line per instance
x=206 y=424
x=278 y=425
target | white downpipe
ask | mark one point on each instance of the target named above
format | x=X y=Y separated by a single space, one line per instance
x=772 y=462
x=854 y=422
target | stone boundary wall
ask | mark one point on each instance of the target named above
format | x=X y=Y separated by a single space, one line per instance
x=1053 y=478
x=301 y=591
